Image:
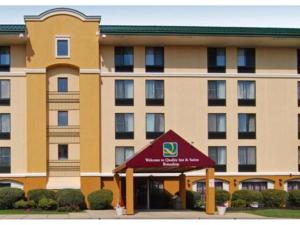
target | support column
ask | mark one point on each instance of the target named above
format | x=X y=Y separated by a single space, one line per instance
x=129 y=192
x=117 y=190
x=182 y=190
x=210 y=191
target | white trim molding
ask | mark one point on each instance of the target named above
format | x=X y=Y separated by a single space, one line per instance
x=13 y=74
x=90 y=174
x=11 y=175
x=36 y=70
x=202 y=173
x=89 y=71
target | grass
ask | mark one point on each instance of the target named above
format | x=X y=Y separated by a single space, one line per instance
x=21 y=211
x=276 y=213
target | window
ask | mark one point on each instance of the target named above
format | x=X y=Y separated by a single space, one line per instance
x=4 y=92
x=62 y=118
x=4 y=126
x=218 y=154
x=5 y=160
x=154 y=59
x=62 y=47
x=124 y=92
x=5 y=184
x=124 y=126
x=247 y=126
x=122 y=154
x=298 y=60
x=155 y=125
x=62 y=84
x=216 y=59
x=293 y=185
x=246 y=60
x=254 y=185
x=216 y=92
x=298 y=91
x=4 y=59
x=299 y=159
x=216 y=125
x=247 y=159
x=123 y=59
x=246 y=93
x=62 y=152
x=154 y=92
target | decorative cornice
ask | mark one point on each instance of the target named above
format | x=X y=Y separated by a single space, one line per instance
x=36 y=70
x=13 y=74
x=11 y=175
x=62 y=11
x=89 y=71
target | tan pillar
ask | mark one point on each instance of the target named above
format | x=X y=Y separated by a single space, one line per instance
x=182 y=190
x=117 y=193
x=210 y=191
x=129 y=192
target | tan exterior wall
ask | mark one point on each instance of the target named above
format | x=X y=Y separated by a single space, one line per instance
x=66 y=72
x=18 y=58
x=73 y=117
x=74 y=151
x=18 y=113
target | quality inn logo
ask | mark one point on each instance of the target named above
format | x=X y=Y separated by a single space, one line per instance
x=170 y=149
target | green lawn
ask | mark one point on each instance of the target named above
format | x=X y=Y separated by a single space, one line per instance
x=21 y=211
x=278 y=213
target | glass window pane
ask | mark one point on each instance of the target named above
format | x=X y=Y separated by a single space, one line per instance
x=221 y=89
x=119 y=89
x=128 y=122
x=150 y=89
x=159 y=89
x=62 y=118
x=128 y=89
x=212 y=122
x=5 y=158
x=251 y=156
x=241 y=57
x=212 y=90
x=221 y=123
x=129 y=151
x=62 y=48
x=120 y=157
x=242 y=155
x=120 y=122
x=128 y=56
x=4 y=56
x=251 y=123
x=221 y=156
x=212 y=153
x=150 y=57
x=221 y=57
x=150 y=122
x=62 y=152
x=62 y=84
x=4 y=89
x=5 y=123
x=242 y=123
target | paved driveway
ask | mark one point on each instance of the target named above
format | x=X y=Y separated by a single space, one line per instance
x=147 y=214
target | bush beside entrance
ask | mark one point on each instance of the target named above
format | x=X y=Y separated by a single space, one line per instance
x=101 y=199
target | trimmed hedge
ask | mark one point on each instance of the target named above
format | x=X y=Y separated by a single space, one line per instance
x=37 y=194
x=274 y=198
x=8 y=196
x=47 y=204
x=192 y=199
x=101 y=199
x=221 y=197
x=294 y=198
x=22 y=204
x=70 y=198
x=239 y=203
x=247 y=195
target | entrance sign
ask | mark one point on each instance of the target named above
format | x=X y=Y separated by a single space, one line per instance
x=167 y=153
x=170 y=149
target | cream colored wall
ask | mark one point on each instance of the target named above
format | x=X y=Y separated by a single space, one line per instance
x=18 y=58
x=193 y=59
x=186 y=104
x=73 y=117
x=73 y=154
x=17 y=110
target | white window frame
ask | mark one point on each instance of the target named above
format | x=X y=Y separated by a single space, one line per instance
x=59 y=38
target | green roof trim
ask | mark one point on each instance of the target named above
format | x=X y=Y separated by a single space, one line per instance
x=12 y=28
x=198 y=31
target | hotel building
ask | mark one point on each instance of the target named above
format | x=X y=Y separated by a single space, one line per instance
x=78 y=98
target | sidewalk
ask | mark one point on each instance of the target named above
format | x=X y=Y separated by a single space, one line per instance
x=147 y=214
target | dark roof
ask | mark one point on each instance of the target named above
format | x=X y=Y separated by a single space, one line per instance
x=12 y=28
x=198 y=31
x=177 y=30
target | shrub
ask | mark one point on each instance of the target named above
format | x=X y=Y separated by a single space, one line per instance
x=8 y=196
x=193 y=199
x=247 y=195
x=38 y=194
x=22 y=204
x=100 y=199
x=73 y=208
x=70 y=198
x=222 y=197
x=239 y=203
x=294 y=198
x=274 y=198
x=47 y=204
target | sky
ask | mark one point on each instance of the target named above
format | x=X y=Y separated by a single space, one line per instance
x=249 y=16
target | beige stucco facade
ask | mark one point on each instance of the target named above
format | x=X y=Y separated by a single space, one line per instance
x=90 y=102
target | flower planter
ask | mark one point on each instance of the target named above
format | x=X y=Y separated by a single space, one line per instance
x=119 y=211
x=221 y=210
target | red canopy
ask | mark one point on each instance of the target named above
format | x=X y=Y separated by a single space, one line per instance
x=168 y=153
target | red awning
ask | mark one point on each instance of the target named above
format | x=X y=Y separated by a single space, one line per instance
x=168 y=153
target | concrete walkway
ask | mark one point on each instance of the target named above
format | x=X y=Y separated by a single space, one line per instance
x=147 y=214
